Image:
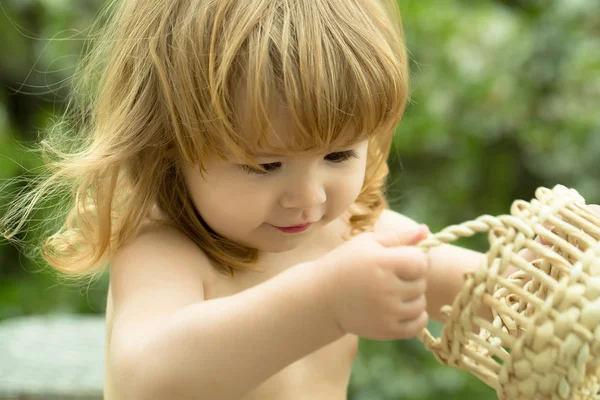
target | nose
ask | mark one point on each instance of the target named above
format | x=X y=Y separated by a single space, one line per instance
x=303 y=194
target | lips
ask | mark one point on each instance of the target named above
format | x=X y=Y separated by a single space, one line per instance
x=294 y=228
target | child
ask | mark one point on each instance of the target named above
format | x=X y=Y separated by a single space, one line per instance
x=231 y=170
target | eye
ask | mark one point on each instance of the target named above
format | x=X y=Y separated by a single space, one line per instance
x=341 y=156
x=266 y=168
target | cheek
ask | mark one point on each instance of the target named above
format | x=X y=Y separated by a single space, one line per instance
x=344 y=191
x=229 y=208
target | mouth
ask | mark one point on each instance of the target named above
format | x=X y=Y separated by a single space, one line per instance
x=293 y=229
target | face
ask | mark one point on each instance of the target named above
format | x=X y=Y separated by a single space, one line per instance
x=276 y=210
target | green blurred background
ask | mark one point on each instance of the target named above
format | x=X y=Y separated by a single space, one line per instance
x=505 y=98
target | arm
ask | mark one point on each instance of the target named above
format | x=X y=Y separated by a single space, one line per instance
x=169 y=343
x=447 y=267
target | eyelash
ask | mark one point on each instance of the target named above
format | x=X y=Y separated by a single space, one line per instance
x=338 y=157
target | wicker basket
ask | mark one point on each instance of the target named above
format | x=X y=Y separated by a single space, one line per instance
x=544 y=340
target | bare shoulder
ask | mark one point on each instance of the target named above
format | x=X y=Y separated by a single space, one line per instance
x=390 y=219
x=158 y=272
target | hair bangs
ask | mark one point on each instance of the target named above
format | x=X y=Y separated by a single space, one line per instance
x=335 y=67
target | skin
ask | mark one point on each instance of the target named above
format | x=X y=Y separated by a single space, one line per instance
x=304 y=188
x=166 y=298
x=176 y=328
x=244 y=205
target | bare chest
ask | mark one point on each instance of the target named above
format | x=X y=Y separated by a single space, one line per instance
x=323 y=374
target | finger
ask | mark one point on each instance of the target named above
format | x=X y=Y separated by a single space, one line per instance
x=408 y=263
x=408 y=329
x=403 y=236
x=414 y=308
x=412 y=290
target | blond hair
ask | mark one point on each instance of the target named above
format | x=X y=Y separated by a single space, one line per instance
x=159 y=90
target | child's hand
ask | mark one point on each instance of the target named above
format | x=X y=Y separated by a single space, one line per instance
x=375 y=284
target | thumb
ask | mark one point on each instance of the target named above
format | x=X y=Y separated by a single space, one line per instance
x=405 y=236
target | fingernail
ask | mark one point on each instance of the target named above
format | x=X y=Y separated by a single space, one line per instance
x=421 y=233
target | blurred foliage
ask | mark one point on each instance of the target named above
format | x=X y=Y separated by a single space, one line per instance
x=504 y=98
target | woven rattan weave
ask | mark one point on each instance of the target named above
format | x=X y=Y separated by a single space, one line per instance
x=541 y=279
